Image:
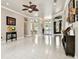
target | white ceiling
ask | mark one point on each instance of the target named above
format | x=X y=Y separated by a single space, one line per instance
x=46 y=7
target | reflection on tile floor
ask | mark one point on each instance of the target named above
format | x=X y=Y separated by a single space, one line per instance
x=37 y=47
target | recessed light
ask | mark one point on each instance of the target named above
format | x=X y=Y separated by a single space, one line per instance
x=7 y=3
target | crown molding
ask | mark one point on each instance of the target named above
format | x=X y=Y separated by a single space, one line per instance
x=11 y=10
x=6 y=8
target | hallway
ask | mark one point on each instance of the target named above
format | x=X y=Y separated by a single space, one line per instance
x=36 y=47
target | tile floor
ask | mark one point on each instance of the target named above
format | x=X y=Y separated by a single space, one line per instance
x=36 y=47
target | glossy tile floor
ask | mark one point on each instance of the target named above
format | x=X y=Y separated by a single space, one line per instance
x=36 y=47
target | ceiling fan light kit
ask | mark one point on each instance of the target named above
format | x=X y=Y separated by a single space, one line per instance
x=30 y=8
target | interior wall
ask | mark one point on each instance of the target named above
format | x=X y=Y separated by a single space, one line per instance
x=29 y=27
x=65 y=15
x=19 y=23
x=75 y=26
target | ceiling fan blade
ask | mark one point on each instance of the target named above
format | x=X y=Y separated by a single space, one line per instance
x=36 y=9
x=26 y=6
x=30 y=2
x=24 y=9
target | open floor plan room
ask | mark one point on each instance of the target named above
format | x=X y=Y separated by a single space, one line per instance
x=39 y=29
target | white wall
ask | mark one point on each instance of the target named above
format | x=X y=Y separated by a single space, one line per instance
x=65 y=15
x=29 y=27
x=75 y=25
x=19 y=23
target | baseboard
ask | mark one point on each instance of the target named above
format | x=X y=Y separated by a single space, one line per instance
x=27 y=35
x=76 y=57
x=20 y=38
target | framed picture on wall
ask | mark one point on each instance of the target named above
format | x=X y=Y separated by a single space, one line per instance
x=76 y=10
x=57 y=27
x=10 y=21
x=71 y=11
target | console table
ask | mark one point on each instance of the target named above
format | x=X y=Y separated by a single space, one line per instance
x=11 y=36
x=70 y=45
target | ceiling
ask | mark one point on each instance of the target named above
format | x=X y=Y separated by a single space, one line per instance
x=46 y=7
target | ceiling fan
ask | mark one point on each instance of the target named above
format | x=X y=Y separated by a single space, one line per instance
x=30 y=8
